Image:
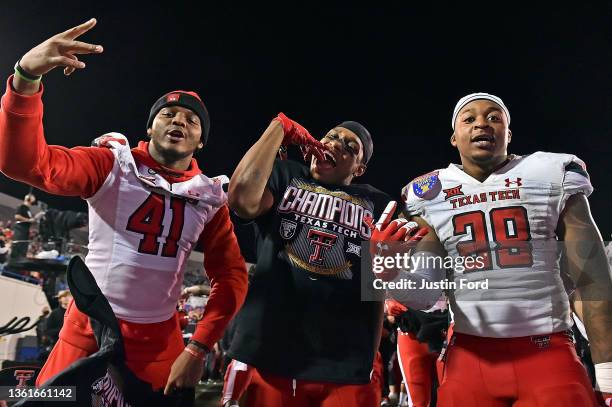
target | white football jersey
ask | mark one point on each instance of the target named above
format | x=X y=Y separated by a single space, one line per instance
x=141 y=231
x=506 y=224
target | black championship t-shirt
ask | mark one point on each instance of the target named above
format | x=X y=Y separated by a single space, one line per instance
x=303 y=317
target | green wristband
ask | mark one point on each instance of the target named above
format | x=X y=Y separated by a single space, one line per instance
x=28 y=77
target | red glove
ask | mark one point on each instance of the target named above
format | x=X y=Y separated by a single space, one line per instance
x=295 y=133
x=394 y=308
x=309 y=151
x=398 y=230
x=394 y=231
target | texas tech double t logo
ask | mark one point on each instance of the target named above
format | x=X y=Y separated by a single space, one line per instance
x=322 y=242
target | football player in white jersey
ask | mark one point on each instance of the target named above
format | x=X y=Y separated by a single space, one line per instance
x=507 y=213
x=148 y=208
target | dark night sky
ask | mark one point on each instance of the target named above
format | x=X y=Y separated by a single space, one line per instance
x=397 y=69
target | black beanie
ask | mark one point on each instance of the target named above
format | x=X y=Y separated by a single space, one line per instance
x=364 y=136
x=186 y=99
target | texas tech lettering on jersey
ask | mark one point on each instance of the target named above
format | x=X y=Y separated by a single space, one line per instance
x=499 y=195
x=323 y=227
x=509 y=220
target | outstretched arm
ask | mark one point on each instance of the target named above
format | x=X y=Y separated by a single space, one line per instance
x=24 y=153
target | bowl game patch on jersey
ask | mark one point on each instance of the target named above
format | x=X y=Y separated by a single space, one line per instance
x=427 y=186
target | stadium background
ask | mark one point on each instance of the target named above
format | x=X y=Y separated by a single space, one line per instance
x=397 y=68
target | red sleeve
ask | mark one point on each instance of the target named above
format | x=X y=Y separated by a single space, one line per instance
x=26 y=157
x=226 y=270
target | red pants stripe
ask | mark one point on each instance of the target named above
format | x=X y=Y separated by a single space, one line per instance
x=150 y=349
x=244 y=383
x=237 y=378
x=536 y=371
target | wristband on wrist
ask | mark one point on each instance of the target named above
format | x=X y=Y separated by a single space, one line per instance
x=19 y=71
x=198 y=345
x=194 y=354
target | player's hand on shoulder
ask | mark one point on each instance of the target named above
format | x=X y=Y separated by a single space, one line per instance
x=105 y=139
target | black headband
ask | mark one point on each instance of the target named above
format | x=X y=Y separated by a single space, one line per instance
x=364 y=136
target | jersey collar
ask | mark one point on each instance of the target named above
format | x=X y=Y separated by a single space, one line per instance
x=142 y=156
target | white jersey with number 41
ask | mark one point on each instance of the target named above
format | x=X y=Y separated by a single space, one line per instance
x=142 y=230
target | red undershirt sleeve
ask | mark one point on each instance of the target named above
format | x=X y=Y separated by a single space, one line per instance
x=226 y=269
x=25 y=156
